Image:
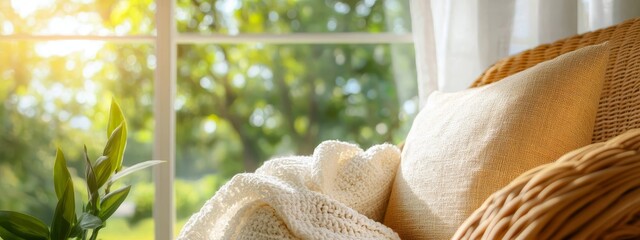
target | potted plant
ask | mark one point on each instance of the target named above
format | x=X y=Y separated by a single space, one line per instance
x=101 y=203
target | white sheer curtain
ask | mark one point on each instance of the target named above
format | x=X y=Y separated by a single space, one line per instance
x=455 y=40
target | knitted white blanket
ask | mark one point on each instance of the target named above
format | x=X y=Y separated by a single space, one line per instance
x=340 y=192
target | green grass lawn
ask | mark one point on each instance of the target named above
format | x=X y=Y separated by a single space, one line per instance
x=119 y=228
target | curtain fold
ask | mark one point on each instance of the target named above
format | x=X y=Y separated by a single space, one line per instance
x=556 y=19
x=495 y=22
x=425 y=48
x=474 y=35
x=596 y=14
x=455 y=40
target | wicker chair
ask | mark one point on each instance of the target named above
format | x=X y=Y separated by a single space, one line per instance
x=593 y=192
x=619 y=108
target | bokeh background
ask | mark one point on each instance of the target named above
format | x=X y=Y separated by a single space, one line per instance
x=237 y=105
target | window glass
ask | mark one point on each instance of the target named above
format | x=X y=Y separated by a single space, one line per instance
x=77 y=17
x=236 y=105
x=57 y=94
x=254 y=16
x=239 y=105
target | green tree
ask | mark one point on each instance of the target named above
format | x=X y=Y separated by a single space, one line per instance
x=240 y=104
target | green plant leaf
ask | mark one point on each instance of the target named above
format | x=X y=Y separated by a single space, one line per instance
x=105 y=166
x=100 y=159
x=110 y=203
x=69 y=210
x=15 y=225
x=6 y=235
x=88 y=221
x=90 y=178
x=76 y=232
x=134 y=168
x=116 y=118
x=60 y=174
x=65 y=215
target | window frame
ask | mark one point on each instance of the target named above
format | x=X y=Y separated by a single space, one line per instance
x=166 y=41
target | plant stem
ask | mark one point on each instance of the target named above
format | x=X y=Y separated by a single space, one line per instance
x=94 y=233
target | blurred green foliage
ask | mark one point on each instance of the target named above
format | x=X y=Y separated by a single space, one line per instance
x=237 y=105
x=286 y=16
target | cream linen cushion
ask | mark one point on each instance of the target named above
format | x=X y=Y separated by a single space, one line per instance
x=590 y=193
x=466 y=145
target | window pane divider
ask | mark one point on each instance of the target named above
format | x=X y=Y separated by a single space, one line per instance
x=295 y=38
x=118 y=39
x=164 y=147
x=211 y=38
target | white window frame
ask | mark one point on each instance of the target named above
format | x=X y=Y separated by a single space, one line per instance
x=166 y=41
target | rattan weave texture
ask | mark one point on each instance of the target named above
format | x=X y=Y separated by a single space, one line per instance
x=589 y=193
x=619 y=108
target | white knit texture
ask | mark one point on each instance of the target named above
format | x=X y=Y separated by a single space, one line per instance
x=340 y=192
